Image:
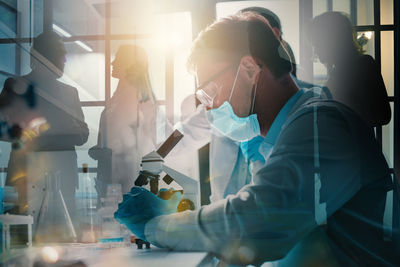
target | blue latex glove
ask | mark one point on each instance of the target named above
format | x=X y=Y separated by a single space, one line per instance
x=250 y=149
x=140 y=206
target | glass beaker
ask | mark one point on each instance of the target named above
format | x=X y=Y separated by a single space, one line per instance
x=54 y=223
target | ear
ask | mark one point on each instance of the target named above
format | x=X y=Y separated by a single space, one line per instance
x=250 y=68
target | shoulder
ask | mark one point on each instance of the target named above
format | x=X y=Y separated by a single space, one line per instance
x=66 y=89
x=325 y=111
x=366 y=61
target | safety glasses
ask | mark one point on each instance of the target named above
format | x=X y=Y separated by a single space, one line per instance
x=207 y=92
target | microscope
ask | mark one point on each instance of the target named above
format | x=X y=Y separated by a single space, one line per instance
x=153 y=167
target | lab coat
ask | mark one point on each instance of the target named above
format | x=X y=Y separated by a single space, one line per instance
x=229 y=171
x=318 y=200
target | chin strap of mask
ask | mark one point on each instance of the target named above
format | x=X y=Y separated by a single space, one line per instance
x=254 y=98
x=234 y=83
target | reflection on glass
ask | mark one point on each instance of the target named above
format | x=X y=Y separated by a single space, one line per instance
x=80 y=18
x=387 y=57
x=365 y=12
x=387 y=11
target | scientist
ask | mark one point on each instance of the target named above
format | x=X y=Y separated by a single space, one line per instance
x=229 y=157
x=320 y=197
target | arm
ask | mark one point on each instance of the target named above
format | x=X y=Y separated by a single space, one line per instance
x=268 y=218
x=67 y=124
x=379 y=102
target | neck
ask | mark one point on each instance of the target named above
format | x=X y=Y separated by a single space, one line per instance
x=271 y=99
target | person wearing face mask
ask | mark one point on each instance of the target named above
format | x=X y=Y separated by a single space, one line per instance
x=231 y=160
x=319 y=199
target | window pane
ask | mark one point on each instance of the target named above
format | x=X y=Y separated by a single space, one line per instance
x=7 y=62
x=365 y=12
x=133 y=17
x=341 y=5
x=320 y=73
x=368 y=46
x=79 y=17
x=3 y=78
x=387 y=57
x=387 y=11
x=5 y=149
x=388 y=139
x=24 y=18
x=8 y=18
x=92 y=119
x=320 y=7
x=84 y=69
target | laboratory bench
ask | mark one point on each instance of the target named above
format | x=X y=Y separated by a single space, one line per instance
x=99 y=255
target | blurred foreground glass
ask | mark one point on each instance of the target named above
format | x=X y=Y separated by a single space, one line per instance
x=54 y=222
x=110 y=229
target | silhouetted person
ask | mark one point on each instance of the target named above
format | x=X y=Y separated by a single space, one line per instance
x=127 y=128
x=52 y=127
x=276 y=26
x=353 y=78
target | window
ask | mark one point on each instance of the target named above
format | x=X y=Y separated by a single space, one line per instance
x=374 y=19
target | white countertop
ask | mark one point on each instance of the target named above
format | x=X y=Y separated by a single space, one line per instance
x=100 y=255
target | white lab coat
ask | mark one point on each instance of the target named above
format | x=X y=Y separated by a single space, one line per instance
x=128 y=129
x=223 y=151
x=229 y=172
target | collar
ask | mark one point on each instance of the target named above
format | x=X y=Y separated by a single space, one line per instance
x=280 y=119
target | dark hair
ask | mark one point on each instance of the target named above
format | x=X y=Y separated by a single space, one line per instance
x=337 y=27
x=272 y=18
x=231 y=38
x=49 y=45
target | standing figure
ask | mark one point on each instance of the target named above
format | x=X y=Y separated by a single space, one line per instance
x=52 y=126
x=353 y=78
x=127 y=128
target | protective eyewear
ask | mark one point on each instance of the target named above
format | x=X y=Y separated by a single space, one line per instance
x=207 y=92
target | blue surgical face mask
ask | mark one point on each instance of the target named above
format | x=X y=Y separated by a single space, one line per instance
x=225 y=121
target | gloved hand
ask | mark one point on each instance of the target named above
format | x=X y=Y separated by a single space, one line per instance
x=250 y=149
x=140 y=206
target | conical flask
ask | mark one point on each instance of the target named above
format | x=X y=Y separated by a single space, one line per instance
x=54 y=222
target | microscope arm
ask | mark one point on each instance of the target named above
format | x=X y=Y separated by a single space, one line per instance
x=189 y=185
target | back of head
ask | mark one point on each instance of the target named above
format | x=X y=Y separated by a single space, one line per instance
x=50 y=46
x=332 y=32
x=272 y=18
x=231 y=38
